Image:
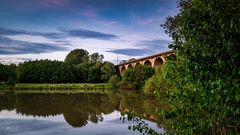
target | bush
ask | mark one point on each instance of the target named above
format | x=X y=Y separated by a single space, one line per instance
x=137 y=76
x=114 y=80
x=158 y=84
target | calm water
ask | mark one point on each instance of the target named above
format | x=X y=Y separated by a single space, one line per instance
x=72 y=114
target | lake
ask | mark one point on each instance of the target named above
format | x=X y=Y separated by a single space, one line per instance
x=74 y=114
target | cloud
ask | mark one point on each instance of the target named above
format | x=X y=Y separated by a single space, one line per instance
x=9 y=46
x=64 y=33
x=50 y=35
x=13 y=60
x=82 y=33
x=129 y=52
x=147 y=47
x=154 y=43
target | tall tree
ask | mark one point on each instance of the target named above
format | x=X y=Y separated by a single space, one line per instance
x=77 y=56
x=206 y=72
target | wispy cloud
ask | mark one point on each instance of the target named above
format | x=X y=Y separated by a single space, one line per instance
x=130 y=52
x=64 y=33
x=82 y=33
x=50 y=35
x=147 y=47
x=9 y=46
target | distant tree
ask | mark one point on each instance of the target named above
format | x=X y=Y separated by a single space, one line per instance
x=94 y=74
x=38 y=71
x=107 y=70
x=83 y=70
x=77 y=56
x=64 y=74
x=96 y=57
x=8 y=72
x=123 y=61
x=132 y=59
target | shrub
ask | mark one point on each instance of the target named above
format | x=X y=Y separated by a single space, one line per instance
x=114 y=80
x=138 y=75
x=158 y=84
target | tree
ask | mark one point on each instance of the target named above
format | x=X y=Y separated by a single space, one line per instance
x=64 y=74
x=94 y=74
x=206 y=72
x=8 y=74
x=114 y=80
x=138 y=75
x=77 y=56
x=107 y=70
x=83 y=69
x=96 y=57
x=38 y=71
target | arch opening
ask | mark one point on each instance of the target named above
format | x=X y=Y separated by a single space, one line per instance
x=123 y=68
x=130 y=66
x=158 y=61
x=147 y=63
x=137 y=64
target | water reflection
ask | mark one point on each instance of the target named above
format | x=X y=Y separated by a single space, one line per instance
x=78 y=109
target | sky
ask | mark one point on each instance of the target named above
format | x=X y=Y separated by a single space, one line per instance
x=50 y=29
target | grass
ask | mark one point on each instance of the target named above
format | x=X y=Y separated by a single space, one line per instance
x=58 y=88
x=3 y=87
x=68 y=86
x=63 y=91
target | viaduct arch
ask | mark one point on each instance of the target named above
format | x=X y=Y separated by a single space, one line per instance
x=152 y=60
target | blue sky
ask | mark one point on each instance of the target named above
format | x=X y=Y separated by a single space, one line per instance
x=49 y=29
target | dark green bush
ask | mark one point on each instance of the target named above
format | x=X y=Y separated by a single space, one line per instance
x=138 y=75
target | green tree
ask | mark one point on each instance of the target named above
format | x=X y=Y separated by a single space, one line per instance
x=8 y=74
x=96 y=57
x=77 y=56
x=107 y=70
x=138 y=75
x=159 y=84
x=114 y=80
x=64 y=74
x=94 y=74
x=38 y=71
x=83 y=69
x=206 y=72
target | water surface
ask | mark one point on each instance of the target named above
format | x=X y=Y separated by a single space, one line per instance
x=73 y=114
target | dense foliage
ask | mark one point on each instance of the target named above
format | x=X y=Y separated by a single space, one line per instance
x=77 y=68
x=8 y=73
x=136 y=77
x=77 y=56
x=159 y=84
x=114 y=80
x=207 y=67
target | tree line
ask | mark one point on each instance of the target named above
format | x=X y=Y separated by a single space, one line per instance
x=78 y=67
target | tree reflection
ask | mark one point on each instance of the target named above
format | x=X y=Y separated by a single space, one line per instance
x=77 y=109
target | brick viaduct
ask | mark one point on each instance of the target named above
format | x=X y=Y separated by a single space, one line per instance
x=152 y=60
